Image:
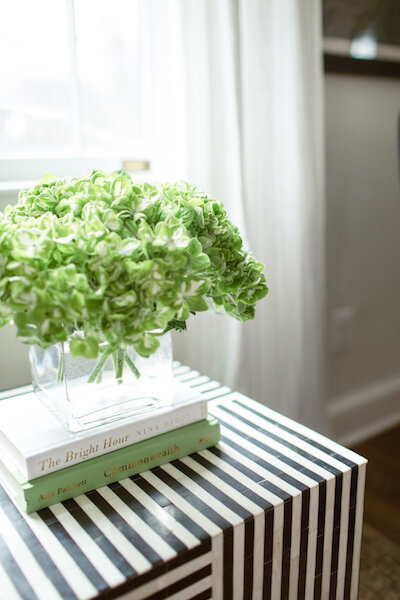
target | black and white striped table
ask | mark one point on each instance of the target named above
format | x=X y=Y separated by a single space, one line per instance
x=274 y=511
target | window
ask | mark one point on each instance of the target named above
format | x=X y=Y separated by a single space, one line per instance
x=71 y=92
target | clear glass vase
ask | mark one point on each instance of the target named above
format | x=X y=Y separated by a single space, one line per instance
x=85 y=393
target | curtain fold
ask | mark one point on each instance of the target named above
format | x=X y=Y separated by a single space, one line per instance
x=236 y=105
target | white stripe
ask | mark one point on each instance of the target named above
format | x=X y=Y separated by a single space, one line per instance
x=309 y=594
x=76 y=579
x=284 y=450
x=189 y=376
x=328 y=537
x=140 y=526
x=27 y=562
x=193 y=590
x=294 y=576
x=200 y=379
x=312 y=538
x=238 y=561
x=295 y=547
x=344 y=525
x=115 y=537
x=277 y=557
x=258 y=557
x=217 y=545
x=178 y=368
x=169 y=578
x=358 y=531
x=311 y=558
x=302 y=429
x=291 y=438
x=100 y=561
x=7 y=590
x=162 y=515
x=218 y=482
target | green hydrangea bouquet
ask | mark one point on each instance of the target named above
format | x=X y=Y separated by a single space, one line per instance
x=107 y=263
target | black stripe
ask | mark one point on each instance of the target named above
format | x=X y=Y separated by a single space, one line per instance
x=286 y=546
x=15 y=573
x=268 y=553
x=264 y=446
x=213 y=516
x=34 y=545
x=320 y=540
x=301 y=436
x=228 y=564
x=212 y=389
x=351 y=528
x=336 y=536
x=73 y=549
x=248 y=559
x=140 y=544
x=286 y=443
x=156 y=524
x=280 y=492
x=305 y=521
x=203 y=595
x=219 y=395
x=172 y=509
x=181 y=584
x=99 y=538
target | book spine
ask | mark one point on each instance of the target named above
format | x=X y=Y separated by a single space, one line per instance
x=125 y=434
x=114 y=466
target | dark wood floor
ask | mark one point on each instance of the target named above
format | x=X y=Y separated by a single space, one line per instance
x=382 y=498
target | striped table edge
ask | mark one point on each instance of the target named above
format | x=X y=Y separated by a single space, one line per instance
x=274 y=511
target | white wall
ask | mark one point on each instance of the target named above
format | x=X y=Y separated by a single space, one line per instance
x=363 y=251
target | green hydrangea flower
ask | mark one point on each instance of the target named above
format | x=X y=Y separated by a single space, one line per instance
x=104 y=259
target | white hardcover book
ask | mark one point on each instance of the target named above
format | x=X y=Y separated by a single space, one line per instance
x=38 y=443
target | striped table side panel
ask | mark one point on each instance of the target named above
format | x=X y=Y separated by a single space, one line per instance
x=272 y=512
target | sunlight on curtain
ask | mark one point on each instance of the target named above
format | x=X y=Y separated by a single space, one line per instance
x=243 y=120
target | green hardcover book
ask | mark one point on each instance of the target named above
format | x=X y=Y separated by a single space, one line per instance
x=107 y=468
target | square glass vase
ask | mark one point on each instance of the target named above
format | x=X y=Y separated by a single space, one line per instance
x=83 y=393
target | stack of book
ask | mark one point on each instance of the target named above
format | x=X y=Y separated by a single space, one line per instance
x=42 y=462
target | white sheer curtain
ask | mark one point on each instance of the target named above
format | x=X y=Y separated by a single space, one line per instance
x=236 y=107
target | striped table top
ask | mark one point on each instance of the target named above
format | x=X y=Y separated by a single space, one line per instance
x=274 y=511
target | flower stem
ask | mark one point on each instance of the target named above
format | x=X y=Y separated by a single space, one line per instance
x=60 y=369
x=97 y=373
x=132 y=366
x=119 y=359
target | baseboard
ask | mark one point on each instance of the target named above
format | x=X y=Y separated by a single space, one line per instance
x=366 y=412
